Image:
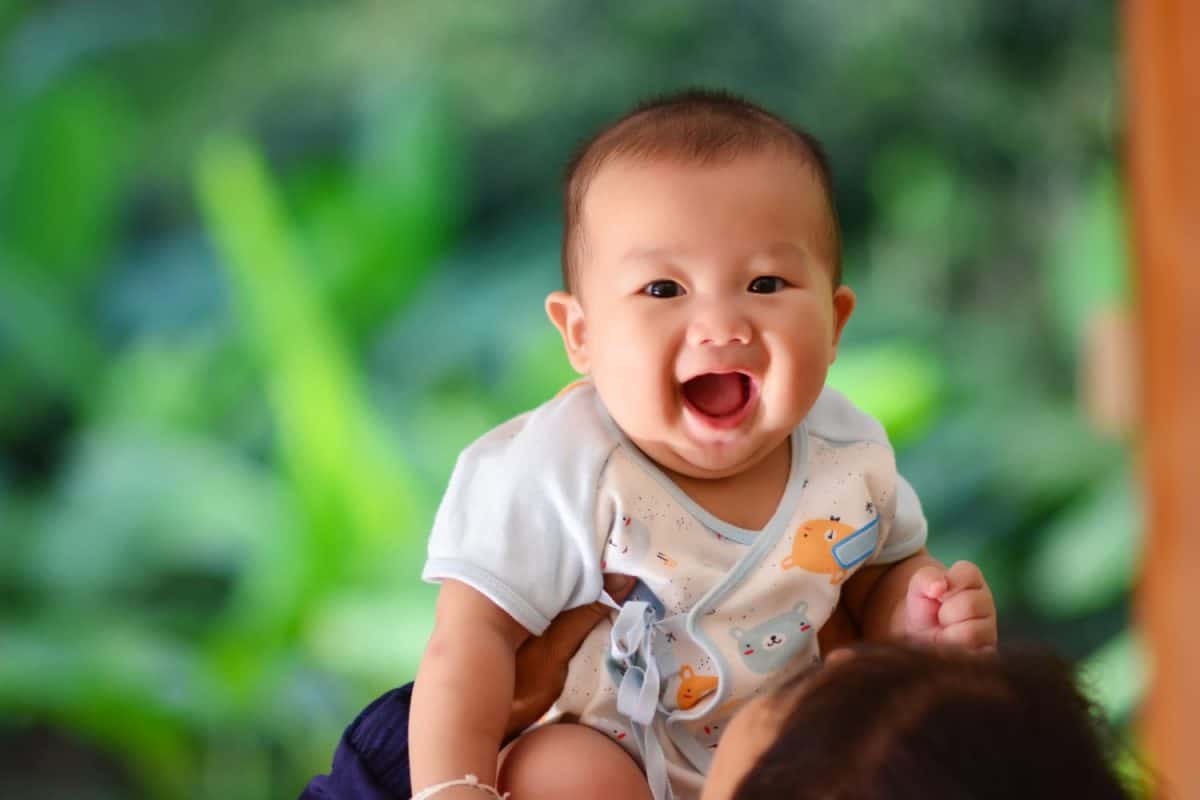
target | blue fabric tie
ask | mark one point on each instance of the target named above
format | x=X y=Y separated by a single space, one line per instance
x=632 y=646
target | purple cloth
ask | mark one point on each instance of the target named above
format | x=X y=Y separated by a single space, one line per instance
x=371 y=762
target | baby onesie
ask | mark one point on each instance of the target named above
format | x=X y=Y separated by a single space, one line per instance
x=539 y=508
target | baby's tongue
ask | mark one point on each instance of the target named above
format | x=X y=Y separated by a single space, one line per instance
x=716 y=395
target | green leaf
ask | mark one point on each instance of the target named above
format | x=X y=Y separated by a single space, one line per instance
x=1088 y=555
x=355 y=495
x=374 y=634
x=899 y=383
x=1087 y=270
x=71 y=162
x=538 y=372
x=113 y=684
x=378 y=224
x=1116 y=675
x=48 y=349
x=137 y=507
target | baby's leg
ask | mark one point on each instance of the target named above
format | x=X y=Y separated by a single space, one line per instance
x=571 y=761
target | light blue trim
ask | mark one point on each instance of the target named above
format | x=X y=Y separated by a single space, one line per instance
x=763 y=545
x=840 y=442
x=783 y=511
x=439 y=569
x=760 y=544
x=861 y=548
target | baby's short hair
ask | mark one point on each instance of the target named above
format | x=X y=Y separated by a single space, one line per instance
x=692 y=126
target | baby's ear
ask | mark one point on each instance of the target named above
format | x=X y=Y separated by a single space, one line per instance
x=843 y=307
x=566 y=313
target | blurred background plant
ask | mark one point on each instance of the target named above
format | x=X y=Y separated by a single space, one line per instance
x=265 y=268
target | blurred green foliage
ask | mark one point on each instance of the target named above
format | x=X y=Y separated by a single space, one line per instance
x=265 y=268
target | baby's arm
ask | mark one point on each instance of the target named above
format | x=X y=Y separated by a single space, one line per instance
x=920 y=599
x=463 y=692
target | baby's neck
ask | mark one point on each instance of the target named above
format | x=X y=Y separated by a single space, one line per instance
x=748 y=499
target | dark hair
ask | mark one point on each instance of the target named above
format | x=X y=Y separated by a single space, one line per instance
x=899 y=722
x=695 y=125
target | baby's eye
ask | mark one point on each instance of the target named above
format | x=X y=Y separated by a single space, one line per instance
x=767 y=284
x=663 y=289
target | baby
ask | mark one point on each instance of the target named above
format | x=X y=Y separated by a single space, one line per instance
x=703 y=455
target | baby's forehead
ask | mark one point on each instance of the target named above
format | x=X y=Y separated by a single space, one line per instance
x=629 y=183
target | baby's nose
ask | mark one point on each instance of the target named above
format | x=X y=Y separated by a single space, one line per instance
x=718 y=327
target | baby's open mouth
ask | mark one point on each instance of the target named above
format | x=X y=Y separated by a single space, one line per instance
x=720 y=395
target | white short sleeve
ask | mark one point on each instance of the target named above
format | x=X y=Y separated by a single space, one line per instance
x=834 y=418
x=908 y=530
x=519 y=520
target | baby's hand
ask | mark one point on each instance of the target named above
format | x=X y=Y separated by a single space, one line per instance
x=951 y=606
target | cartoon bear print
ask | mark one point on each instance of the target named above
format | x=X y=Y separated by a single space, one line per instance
x=768 y=647
x=822 y=546
x=693 y=687
x=627 y=544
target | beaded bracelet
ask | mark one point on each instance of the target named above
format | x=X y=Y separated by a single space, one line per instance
x=469 y=780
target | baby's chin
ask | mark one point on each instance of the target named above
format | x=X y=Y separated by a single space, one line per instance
x=713 y=463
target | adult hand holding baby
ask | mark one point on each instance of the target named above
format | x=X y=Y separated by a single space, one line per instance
x=541 y=665
x=951 y=606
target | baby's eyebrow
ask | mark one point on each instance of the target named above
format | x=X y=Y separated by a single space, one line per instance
x=784 y=250
x=647 y=254
x=780 y=249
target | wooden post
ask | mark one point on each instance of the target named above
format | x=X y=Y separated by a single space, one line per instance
x=1162 y=97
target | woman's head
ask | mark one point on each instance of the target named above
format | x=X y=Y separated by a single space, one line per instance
x=897 y=722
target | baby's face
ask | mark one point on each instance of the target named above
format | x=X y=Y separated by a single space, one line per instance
x=704 y=309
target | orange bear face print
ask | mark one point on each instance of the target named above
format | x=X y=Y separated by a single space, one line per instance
x=831 y=547
x=693 y=688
